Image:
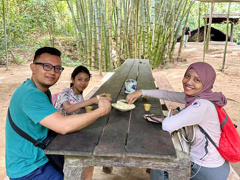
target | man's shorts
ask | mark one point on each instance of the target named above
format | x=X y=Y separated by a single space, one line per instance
x=46 y=171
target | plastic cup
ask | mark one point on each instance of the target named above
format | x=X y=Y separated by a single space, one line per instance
x=88 y=108
x=147 y=107
x=108 y=94
x=144 y=97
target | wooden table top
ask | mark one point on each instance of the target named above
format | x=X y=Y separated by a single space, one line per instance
x=121 y=134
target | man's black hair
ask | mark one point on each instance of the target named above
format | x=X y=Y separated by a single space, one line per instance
x=49 y=50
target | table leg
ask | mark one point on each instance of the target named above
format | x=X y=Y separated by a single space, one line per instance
x=178 y=175
x=72 y=170
x=183 y=174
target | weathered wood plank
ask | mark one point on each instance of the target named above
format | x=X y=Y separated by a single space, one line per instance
x=114 y=135
x=139 y=139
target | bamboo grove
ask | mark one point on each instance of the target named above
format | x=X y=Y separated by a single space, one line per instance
x=110 y=31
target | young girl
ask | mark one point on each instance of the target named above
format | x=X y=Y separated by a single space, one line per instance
x=206 y=162
x=70 y=100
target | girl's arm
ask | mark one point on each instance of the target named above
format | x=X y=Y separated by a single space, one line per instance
x=70 y=108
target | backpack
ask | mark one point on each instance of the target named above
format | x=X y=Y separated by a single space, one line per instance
x=229 y=143
x=54 y=98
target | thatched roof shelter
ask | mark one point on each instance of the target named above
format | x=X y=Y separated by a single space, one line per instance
x=219 y=18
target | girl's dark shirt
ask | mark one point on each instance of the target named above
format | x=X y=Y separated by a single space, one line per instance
x=187 y=29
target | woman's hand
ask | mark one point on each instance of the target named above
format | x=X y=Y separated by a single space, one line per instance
x=131 y=98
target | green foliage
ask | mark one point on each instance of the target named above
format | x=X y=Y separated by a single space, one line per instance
x=66 y=61
x=28 y=19
x=32 y=24
x=20 y=60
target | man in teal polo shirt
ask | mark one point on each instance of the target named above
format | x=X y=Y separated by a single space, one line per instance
x=31 y=110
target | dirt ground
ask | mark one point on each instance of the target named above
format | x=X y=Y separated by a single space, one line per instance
x=227 y=82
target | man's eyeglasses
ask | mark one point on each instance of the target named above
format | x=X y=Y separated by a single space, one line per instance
x=48 y=67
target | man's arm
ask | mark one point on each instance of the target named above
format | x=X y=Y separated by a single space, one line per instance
x=66 y=124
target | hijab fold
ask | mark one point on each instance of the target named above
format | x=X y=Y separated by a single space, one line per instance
x=207 y=75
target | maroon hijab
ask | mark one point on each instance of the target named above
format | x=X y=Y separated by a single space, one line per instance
x=207 y=75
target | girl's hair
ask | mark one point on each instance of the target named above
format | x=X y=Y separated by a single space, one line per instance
x=78 y=70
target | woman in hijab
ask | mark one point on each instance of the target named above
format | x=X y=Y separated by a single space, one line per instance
x=198 y=80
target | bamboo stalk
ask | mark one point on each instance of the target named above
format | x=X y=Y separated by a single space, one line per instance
x=136 y=29
x=5 y=33
x=141 y=28
x=181 y=41
x=204 y=38
x=226 y=42
x=199 y=17
x=110 y=34
x=209 y=26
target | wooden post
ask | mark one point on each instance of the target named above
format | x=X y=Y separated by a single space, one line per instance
x=231 y=35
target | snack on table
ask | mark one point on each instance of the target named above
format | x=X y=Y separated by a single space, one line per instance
x=122 y=105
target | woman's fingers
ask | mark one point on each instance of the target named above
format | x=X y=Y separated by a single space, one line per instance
x=131 y=98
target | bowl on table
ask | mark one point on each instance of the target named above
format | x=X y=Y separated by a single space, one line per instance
x=122 y=106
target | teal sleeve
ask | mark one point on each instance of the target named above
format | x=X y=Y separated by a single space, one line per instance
x=39 y=106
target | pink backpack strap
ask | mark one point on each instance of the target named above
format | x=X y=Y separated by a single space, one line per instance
x=54 y=98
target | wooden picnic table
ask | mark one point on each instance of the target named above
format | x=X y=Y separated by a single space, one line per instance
x=122 y=138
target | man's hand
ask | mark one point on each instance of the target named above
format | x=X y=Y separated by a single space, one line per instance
x=109 y=99
x=105 y=105
x=102 y=97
